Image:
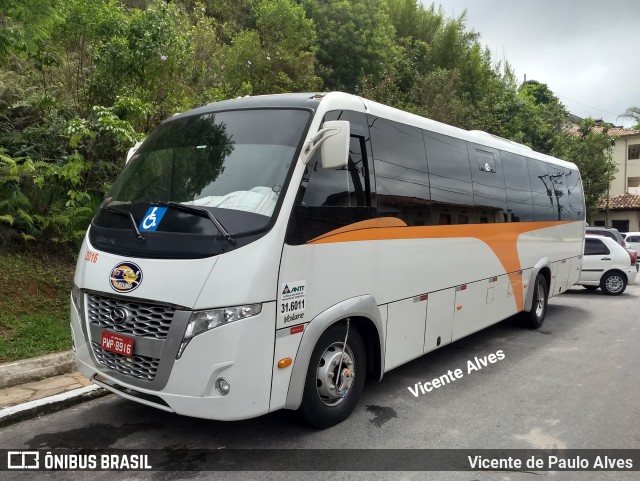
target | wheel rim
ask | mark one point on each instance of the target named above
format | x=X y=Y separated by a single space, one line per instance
x=539 y=299
x=333 y=386
x=614 y=283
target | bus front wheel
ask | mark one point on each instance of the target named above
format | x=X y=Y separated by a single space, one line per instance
x=335 y=378
x=535 y=318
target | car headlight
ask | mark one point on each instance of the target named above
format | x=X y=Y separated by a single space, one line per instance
x=202 y=321
x=76 y=296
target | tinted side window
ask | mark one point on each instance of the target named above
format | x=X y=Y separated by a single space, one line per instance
x=575 y=194
x=330 y=199
x=541 y=191
x=633 y=238
x=593 y=247
x=518 y=187
x=400 y=164
x=559 y=191
x=450 y=177
x=488 y=184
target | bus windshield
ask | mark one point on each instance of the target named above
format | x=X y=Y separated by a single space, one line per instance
x=234 y=160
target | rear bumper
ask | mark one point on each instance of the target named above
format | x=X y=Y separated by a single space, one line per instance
x=631 y=273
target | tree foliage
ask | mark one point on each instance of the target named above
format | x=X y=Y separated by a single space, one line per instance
x=634 y=114
x=82 y=80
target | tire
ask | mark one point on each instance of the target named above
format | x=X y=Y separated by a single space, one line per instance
x=591 y=288
x=324 y=406
x=535 y=318
x=613 y=283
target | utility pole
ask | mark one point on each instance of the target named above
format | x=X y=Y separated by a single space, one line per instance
x=556 y=192
x=606 y=209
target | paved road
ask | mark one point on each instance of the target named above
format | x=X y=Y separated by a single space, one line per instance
x=571 y=384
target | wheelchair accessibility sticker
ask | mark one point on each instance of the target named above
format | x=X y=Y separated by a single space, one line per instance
x=152 y=218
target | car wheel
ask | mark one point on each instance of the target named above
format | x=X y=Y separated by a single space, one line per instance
x=591 y=288
x=613 y=283
x=335 y=380
x=535 y=318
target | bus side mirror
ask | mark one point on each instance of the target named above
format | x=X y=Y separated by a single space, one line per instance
x=333 y=141
x=334 y=150
x=132 y=151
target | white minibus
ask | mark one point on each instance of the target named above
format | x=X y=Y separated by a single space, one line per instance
x=275 y=251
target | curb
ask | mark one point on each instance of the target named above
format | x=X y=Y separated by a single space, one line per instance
x=35 y=369
x=48 y=405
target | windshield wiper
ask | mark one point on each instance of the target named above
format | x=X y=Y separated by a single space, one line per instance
x=129 y=215
x=202 y=213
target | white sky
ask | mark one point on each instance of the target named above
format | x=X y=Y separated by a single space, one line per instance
x=586 y=51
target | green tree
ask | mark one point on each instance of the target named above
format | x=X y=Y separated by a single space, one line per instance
x=150 y=58
x=543 y=117
x=25 y=25
x=634 y=114
x=592 y=151
x=277 y=56
x=355 y=41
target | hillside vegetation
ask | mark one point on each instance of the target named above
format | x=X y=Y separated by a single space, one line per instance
x=34 y=305
x=82 y=80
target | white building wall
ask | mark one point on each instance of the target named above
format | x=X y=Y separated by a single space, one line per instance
x=626 y=167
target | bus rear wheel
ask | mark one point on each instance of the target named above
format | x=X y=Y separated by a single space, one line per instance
x=535 y=318
x=335 y=378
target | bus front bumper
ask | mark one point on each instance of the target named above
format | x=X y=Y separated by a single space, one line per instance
x=240 y=353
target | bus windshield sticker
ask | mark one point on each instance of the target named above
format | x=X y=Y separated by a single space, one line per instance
x=152 y=218
x=292 y=296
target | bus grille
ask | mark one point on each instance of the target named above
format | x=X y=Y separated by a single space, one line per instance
x=142 y=320
x=141 y=367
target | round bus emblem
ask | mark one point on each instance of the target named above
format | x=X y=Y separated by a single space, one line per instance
x=125 y=277
x=119 y=315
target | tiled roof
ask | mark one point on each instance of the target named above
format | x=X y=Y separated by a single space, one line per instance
x=623 y=201
x=616 y=131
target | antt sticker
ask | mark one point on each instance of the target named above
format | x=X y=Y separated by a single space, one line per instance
x=292 y=300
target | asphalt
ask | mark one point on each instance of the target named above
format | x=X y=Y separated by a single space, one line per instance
x=42 y=385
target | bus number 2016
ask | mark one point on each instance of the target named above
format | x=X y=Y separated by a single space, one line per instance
x=292 y=306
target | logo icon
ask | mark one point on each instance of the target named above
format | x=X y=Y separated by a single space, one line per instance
x=125 y=277
x=119 y=315
x=286 y=289
x=152 y=218
x=23 y=459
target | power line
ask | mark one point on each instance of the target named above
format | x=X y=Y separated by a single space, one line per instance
x=590 y=106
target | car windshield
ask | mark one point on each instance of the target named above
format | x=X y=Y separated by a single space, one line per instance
x=234 y=160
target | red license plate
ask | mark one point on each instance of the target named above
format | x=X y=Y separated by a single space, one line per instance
x=116 y=343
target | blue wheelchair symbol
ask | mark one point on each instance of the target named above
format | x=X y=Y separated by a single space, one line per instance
x=152 y=218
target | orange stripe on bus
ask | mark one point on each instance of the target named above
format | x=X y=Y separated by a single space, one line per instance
x=501 y=238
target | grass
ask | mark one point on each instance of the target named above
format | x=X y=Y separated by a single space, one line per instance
x=34 y=305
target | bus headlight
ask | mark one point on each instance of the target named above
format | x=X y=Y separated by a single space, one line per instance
x=202 y=321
